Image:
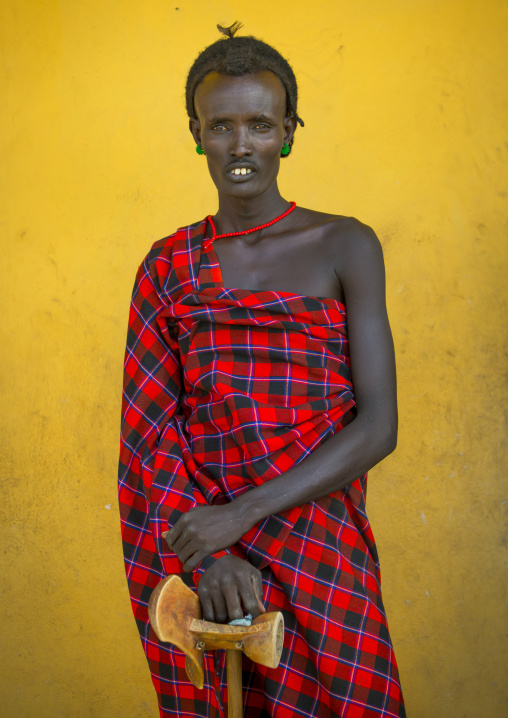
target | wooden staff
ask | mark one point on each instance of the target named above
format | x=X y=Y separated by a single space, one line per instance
x=175 y=615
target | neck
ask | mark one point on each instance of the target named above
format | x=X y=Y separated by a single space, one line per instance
x=236 y=214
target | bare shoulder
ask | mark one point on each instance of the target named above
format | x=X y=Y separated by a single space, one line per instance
x=346 y=238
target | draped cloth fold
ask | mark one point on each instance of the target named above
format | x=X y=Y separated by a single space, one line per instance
x=225 y=389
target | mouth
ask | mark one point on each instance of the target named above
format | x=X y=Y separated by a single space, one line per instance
x=241 y=173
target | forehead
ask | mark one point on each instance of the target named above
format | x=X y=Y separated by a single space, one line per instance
x=223 y=95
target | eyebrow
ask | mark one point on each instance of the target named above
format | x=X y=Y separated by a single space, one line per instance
x=217 y=120
x=254 y=118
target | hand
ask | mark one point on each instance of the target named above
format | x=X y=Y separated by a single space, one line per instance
x=204 y=530
x=226 y=586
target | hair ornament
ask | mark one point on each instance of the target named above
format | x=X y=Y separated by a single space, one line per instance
x=231 y=30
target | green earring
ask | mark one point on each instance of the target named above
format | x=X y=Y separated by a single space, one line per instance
x=199 y=149
x=286 y=149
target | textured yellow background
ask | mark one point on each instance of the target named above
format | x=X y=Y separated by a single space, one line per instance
x=405 y=106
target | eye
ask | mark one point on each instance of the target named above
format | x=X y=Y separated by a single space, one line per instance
x=219 y=128
x=262 y=126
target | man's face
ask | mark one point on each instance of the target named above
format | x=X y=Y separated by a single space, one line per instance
x=242 y=126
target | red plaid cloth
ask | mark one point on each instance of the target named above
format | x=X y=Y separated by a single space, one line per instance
x=224 y=390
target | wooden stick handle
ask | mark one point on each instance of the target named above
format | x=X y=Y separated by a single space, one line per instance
x=234 y=676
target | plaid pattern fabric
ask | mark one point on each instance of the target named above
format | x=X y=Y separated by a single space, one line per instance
x=224 y=390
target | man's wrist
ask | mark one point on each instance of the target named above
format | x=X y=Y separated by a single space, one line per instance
x=212 y=558
x=250 y=509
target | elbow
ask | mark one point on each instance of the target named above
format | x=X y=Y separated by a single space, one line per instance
x=379 y=433
x=391 y=442
x=389 y=437
x=383 y=437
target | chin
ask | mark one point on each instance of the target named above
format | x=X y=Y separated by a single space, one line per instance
x=245 y=190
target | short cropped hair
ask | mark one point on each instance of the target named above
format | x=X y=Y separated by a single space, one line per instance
x=241 y=56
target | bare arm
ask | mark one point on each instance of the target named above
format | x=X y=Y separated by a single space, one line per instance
x=349 y=453
x=373 y=433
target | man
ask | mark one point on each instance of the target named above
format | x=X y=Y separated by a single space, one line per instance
x=244 y=447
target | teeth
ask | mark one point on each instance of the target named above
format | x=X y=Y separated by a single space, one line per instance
x=241 y=171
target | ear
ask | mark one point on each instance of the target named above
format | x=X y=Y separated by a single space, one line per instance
x=195 y=129
x=289 y=124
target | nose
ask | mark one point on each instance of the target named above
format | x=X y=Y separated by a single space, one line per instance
x=240 y=145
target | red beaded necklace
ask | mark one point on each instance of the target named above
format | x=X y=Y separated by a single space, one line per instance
x=246 y=231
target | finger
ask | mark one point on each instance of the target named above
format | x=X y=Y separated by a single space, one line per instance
x=192 y=561
x=257 y=582
x=219 y=606
x=259 y=605
x=188 y=555
x=234 y=606
x=181 y=542
x=183 y=555
x=206 y=605
x=172 y=535
x=249 y=595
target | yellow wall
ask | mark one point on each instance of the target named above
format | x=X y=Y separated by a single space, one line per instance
x=405 y=106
